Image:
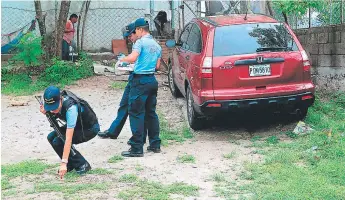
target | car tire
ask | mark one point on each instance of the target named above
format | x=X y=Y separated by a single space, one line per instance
x=173 y=88
x=194 y=119
x=302 y=114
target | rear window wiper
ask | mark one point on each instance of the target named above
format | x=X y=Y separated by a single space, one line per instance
x=272 y=48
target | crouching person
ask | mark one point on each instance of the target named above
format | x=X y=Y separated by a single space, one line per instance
x=81 y=125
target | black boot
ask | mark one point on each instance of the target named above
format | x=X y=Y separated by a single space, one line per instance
x=131 y=153
x=154 y=150
x=83 y=168
x=106 y=134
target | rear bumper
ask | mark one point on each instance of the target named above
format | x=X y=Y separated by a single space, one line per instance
x=286 y=103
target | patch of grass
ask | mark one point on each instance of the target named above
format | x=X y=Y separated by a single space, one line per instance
x=229 y=155
x=24 y=168
x=128 y=178
x=255 y=138
x=5 y=183
x=313 y=162
x=115 y=159
x=100 y=171
x=139 y=167
x=218 y=177
x=11 y=192
x=291 y=134
x=119 y=85
x=148 y=190
x=168 y=135
x=272 y=140
x=186 y=158
x=70 y=188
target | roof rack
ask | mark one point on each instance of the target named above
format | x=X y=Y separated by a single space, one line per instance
x=208 y=20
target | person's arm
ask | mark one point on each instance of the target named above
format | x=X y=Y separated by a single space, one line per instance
x=68 y=26
x=158 y=64
x=71 y=116
x=136 y=50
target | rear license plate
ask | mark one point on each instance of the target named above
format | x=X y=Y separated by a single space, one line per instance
x=259 y=70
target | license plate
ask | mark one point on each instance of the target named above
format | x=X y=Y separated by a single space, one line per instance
x=259 y=70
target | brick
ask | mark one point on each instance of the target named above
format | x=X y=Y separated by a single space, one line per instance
x=321 y=48
x=339 y=48
x=322 y=38
x=312 y=39
x=313 y=60
x=328 y=49
x=343 y=37
x=325 y=60
x=339 y=60
x=334 y=37
x=302 y=39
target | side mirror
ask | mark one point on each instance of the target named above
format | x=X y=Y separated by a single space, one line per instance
x=170 y=43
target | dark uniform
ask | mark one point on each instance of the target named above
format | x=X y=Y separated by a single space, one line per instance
x=77 y=114
x=143 y=95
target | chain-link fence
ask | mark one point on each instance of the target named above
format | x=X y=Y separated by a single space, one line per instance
x=105 y=20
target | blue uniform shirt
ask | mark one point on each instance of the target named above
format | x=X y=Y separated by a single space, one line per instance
x=72 y=115
x=149 y=52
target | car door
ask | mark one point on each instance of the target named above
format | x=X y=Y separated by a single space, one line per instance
x=193 y=59
x=181 y=54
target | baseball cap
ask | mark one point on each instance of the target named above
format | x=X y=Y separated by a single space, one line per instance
x=130 y=28
x=51 y=98
x=141 y=22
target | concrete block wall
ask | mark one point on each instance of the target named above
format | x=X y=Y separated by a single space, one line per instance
x=326 y=49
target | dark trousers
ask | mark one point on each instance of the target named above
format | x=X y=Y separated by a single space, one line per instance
x=142 y=104
x=65 y=50
x=78 y=137
x=122 y=114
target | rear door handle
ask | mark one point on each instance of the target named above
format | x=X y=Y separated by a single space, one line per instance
x=187 y=57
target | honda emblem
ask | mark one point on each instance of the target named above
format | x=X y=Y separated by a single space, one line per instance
x=259 y=59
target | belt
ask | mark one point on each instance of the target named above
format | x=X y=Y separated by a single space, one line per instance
x=142 y=75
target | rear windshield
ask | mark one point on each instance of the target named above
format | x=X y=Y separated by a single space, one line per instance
x=252 y=38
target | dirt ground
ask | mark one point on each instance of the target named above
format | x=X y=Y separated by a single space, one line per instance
x=24 y=136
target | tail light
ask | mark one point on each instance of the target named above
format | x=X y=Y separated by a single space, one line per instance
x=306 y=66
x=206 y=68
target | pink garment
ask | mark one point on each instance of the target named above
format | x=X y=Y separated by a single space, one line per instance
x=68 y=37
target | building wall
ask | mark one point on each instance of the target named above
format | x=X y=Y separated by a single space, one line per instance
x=326 y=47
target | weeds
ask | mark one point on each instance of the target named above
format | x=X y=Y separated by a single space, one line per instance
x=186 y=159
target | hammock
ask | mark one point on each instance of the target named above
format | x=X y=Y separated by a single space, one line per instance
x=9 y=41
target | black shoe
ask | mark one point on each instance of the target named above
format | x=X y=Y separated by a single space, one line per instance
x=83 y=169
x=106 y=134
x=154 y=150
x=131 y=153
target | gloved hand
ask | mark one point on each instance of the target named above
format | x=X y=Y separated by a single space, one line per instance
x=120 y=56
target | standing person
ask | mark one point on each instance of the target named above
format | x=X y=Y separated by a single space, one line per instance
x=68 y=36
x=143 y=91
x=81 y=126
x=122 y=113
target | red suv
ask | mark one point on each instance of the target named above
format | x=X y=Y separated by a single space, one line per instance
x=238 y=63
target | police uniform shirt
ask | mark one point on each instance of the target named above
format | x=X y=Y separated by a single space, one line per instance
x=149 y=52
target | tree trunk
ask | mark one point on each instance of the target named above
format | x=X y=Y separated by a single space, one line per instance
x=60 y=26
x=269 y=6
x=285 y=18
x=84 y=22
x=243 y=7
x=41 y=18
x=78 y=26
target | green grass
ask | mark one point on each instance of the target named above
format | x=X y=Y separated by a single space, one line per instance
x=186 y=158
x=139 y=167
x=168 y=135
x=100 y=171
x=11 y=192
x=309 y=166
x=128 y=178
x=229 y=155
x=24 y=168
x=5 y=183
x=119 y=85
x=115 y=159
x=148 y=190
x=69 y=188
x=218 y=177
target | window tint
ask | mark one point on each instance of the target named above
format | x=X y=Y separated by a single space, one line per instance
x=184 y=37
x=194 y=39
x=252 y=38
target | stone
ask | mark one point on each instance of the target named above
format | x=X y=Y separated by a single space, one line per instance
x=322 y=38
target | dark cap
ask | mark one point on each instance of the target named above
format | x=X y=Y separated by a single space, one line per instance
x=130 y=28
x=141 y=22
x=51 y=98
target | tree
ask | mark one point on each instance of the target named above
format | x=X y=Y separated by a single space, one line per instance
x=60 y=26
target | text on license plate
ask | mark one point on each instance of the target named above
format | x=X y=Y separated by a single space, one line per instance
x=259 y=70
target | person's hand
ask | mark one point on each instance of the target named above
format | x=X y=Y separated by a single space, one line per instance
x=63 y=170
x=42 y=110
x=73 y=30
x=121 y=56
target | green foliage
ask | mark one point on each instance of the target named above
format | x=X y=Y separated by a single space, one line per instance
x=115 y=159
x=24 y=168
x=294 y=7
x=30 y=50
x=60 y=73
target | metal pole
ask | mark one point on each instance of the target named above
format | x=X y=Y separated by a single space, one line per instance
x=152 y=7
x=342 y=11
x=172 y=14
x=309 y=17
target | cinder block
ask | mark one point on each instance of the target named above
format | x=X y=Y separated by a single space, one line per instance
x=322 y=38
